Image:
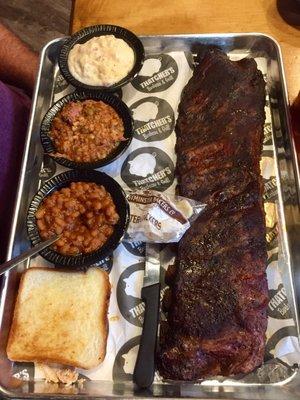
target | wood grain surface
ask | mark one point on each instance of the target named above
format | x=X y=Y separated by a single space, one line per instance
x=36 y=22
x=197 y=16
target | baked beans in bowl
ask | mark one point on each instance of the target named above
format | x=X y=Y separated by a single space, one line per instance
x=88 y=209
x=86 y=130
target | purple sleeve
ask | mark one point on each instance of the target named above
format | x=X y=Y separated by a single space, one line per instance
x=14 y=108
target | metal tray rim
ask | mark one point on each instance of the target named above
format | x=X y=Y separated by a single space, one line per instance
x=26 y=153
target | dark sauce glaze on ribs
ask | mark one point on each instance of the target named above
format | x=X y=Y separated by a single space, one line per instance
x=218 y=292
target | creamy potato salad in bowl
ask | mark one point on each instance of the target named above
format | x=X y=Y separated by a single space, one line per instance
x=101 y=57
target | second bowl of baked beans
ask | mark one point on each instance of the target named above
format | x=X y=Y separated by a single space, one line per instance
x=89 y=212
x=87 y=130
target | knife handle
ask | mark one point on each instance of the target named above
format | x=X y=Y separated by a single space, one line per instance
x=144 y=369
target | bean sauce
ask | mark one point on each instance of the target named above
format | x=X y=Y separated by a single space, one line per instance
x=86 y=131
x=83 y=213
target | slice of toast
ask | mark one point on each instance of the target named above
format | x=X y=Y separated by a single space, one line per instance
x=61 y=317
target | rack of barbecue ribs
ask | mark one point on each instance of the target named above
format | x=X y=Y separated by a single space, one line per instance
x=217 y=301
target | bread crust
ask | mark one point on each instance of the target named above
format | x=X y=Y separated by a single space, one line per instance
x=14 y=335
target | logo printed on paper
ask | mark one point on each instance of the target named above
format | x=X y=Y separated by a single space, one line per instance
x=135 y=248
x=23 y=371
x=125 y=360
x=22 y=375
x=267 y=134
x=48 y=170
x=105 y=264
x=270 y=189
x=148 y=168
x=158 y=73
x=274 y=340
x=60 y=84
x=153 y=119
x=129 y=288
x=272 y=237
x=278 y=304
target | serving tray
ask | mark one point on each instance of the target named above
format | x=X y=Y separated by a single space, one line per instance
x=37 y=168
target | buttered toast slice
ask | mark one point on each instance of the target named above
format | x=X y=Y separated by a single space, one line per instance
x=61 y=317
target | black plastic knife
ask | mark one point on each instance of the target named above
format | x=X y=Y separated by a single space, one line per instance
x=143 y=374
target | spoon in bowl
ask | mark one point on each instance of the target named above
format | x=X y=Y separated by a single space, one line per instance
x=26 y=254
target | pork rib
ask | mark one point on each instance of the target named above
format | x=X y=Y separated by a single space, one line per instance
x=218 y=289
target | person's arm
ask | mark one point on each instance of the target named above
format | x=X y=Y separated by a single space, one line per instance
x=18 y=64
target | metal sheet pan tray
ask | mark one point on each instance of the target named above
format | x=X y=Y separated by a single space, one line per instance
x=37 y=168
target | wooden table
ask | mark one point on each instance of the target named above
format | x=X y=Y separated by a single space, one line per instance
x=197 y=16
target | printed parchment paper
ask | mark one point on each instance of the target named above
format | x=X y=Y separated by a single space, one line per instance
x=149 y=163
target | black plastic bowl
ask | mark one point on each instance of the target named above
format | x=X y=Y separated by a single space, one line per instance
x=80 y=261
x=110 y=99
x=99 y=30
